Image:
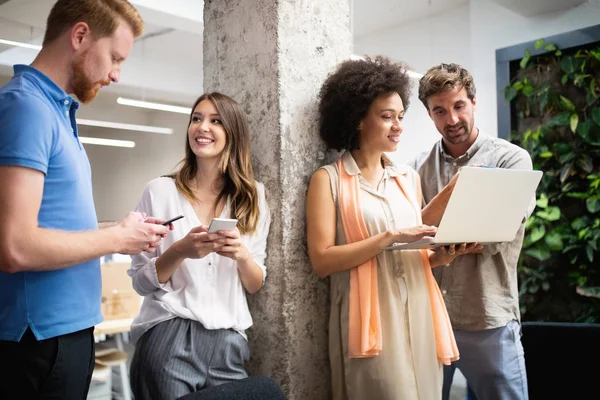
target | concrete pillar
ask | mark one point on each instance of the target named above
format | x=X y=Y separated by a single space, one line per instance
x=272 y=57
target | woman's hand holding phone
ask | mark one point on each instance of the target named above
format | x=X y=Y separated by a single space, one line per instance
x=233 y=247
x=198 y=243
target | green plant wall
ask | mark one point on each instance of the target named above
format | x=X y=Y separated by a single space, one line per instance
x=556 y=98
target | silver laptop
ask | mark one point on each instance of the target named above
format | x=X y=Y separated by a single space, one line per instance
x=487 y=206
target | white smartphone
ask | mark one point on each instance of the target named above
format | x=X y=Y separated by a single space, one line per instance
x=222 y=224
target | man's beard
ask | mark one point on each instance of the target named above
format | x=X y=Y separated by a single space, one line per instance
x=84 y=88
x=468 y=128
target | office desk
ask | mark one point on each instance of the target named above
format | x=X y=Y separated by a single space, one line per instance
x=118 y=327
x=113 y=326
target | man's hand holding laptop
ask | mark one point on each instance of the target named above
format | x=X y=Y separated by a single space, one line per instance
x=444 y=255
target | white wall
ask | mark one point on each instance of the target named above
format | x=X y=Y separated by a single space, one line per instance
x=469 y=36
x=421 y=44
x=119 y=175
x=494 y=27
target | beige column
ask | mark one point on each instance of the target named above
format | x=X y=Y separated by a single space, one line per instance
x=272 y=56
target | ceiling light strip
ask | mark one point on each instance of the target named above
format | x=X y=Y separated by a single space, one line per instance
x=21 y=44
x=128 y=127
x=107 y=142
x=154 y=106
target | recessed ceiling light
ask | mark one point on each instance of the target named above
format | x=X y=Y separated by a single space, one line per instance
x=21 y=44
x=128 y=127
x=154 y=106
x=107 y=142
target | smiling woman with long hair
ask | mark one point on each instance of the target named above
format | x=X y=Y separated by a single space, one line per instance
x=190 y=333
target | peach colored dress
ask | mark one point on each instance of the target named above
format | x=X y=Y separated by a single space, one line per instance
x=407 y=367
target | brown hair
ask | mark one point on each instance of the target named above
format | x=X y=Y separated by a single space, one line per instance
x=102 y=16
x=235 y=164
x=349 y=91
x=444 y=77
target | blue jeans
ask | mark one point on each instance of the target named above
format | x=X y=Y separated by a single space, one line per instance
x=493 y=363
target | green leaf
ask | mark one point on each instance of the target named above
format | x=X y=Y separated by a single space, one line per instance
x=528 y=90
x=566 y=103
x=565 y=158
x=537 y=233
x=546 y=154
x=562 y=119
x=510 y=93
x=574 y=122
x=586 y=163
x=525 y=59
x=568 y=187
x=566 y=172
x=569 y=248
x=579 y=80
x=558 y=53
x=593 y=204
x=549 y=214
x=590 y=134
x=538 y=253
x=549 y=47
x=568 y=65
x=554 y=241
x=578 y=224
x=544 y=97
x=590 y=98
x=573 y=258
x=530 y=222
x=562 y=148
x=538 y=44
x=564 y=79
x=542 y=202
x=584 y=128
x=596 y=115
x=589 y=252
x=595 y=54
x=589 y=291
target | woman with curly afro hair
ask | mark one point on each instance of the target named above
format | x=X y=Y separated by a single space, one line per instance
x=388 y=330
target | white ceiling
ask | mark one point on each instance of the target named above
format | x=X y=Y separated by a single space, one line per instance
x=530 y=8
x=371 y=16
x=166 y=63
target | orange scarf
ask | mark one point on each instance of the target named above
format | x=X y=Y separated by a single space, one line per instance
x=364 y=334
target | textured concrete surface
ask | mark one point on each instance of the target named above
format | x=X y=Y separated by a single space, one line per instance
x=272 y=56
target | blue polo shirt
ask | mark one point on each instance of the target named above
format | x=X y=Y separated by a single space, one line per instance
x=38 y=131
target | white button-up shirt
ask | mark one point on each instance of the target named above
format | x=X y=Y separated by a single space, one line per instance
x=208 y=290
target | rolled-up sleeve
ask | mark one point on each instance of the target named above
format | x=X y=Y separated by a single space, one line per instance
x=258 y=246
x=143 y=266
x=518 y=160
